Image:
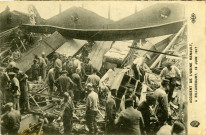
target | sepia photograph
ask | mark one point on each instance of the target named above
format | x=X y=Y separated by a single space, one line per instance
x=103 y=67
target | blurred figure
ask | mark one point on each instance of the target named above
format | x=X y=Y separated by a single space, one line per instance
x=4 y=85
x=11 y=121
x=35 y=70
x=92 y=103
x=171 y=73
x=177 y=129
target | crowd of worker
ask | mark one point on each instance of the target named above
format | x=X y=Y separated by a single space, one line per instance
x=75 y=79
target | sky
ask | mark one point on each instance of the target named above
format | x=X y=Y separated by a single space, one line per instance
x=118 y=10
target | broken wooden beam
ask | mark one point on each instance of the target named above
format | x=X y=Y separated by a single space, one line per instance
x=168 y=47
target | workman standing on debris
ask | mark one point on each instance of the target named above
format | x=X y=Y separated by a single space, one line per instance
x=111 y=112
x=77 y=87
x=44 y=57
x=51 y=80
x=11 y=121
x=24 y=88
x=67 y=113
x=162 y=102
x=171 y=73
x=35 y=70
x=87 y=68
x=64 y=83
x=15 y=90
x=94 y=79
x=140 y=67
x=129 y=120
x=42 y=66
x=144 y=108
x=92 y=103
x=57 y=65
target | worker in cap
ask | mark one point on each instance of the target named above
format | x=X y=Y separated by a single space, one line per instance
x=172 y=73
x=42 y=66
x=64 y=84
x=144 y=108
x=91 y=109
x=11 y=120
x=128 y=120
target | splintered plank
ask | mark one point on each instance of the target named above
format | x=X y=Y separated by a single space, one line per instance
x=97 y=54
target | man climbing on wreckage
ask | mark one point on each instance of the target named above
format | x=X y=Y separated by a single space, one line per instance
x=171 y=73
x=140 y=67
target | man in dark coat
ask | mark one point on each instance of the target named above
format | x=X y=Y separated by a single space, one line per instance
x=130 y=119
x=64 y=83
x=111 y=112
x=144 y=108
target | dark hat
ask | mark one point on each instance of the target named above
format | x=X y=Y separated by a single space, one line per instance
x=168 y=64
x=35 y=60
x=15 y=67
x=178 y=127
x=64 y=72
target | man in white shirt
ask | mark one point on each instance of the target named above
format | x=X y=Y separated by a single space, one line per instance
x=171 y=73
x=92 y=102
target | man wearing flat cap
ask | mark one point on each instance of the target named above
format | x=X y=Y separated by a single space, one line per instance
x=171 y=73
x=64 y=83
x=11 y=121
